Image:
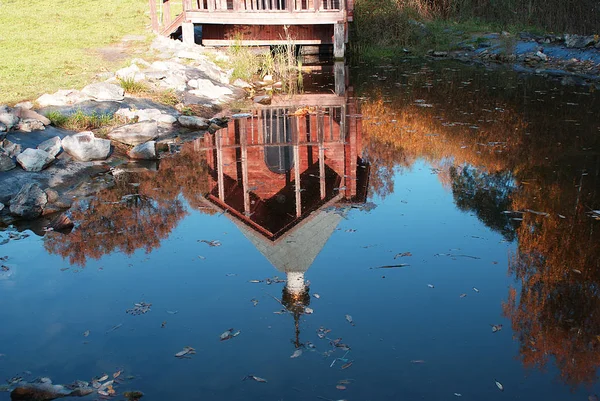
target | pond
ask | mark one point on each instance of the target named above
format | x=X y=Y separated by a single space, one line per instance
x=424 y=232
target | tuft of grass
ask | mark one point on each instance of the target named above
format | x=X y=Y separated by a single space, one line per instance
x=133 y=87
x=60 y=42
x=79 y=121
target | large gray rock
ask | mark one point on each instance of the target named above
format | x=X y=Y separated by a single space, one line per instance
x=134 y=134
x=24 y=113
x=3 y=127
x=84 y=146
x=30 y=124
x=52 y=146
x=6 y=163
x=34 y=159
x=8 y=117
x=193 y=122
x=1 y=206
x=144 y=151
x=578 y=41
x=63 y=97
x=9 y=148
x=206 y=88
x=103 y=91
x=29 y=202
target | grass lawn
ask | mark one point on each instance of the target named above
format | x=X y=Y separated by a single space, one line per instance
x=46 y=45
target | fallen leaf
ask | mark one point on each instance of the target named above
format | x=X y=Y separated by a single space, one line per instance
x=296 y=353
x=86 y=333
x=499 y=385
x=255 y=378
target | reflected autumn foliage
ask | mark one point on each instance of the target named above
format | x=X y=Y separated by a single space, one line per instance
x=491 y=142
x=137 y=212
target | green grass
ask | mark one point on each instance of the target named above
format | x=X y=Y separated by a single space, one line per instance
x=132 y=87
x=51 y=44
x=80 y=121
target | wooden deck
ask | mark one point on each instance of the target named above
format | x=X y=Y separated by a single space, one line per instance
x=256 y=22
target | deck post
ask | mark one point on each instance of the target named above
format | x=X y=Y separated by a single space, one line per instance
x=153 y=15
x=339 y=74
x=187 y=33
x=339 y=38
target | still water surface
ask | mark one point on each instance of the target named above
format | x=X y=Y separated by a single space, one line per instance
x=476 y=185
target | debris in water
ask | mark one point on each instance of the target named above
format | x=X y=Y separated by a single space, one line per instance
x=296 y=353
x=475 y=289
x=117 y=374
x=255 y=281
x=458 y=394
x=211 y=243
x=163 y=324
x=340 y=387
x=316 y=295
x=391 y=266
x=102 y=378
x=86 y=333
x=349 y=319
x=114 y=328
x=254 y=301
x=172 y=312
x=133 y=395
x=347 y=365
x=308 y=310
x=430 y=286
x=140 y=308
x=496 y=327
x=255 y=378
x=417 y=361
x=463 y=295
x=185 y=352
x=228 y=334
x=403 y=254
x=499 y=385
x=576 y=271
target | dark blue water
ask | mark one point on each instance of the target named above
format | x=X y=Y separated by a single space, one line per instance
x=415 y=165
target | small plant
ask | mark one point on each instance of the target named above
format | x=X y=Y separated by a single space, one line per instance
x=79 y=121
x=133 y=87
x=167 y=97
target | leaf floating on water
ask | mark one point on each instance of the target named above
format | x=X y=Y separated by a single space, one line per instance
x=163 y=324
x=211 y=243
x=463 y=295
x=458 y=394
x=172 y=312
x=417 y=361
x=296 y=353
x=347 y=365
x=114 y=328
x=316 y=296
x=255 y=378
x=349 y=319
x=281 y=312
x=391 y=266
x=576 y=271
x=255 y=281
x=140 y=308
x=499 y=385
x=86 y=333
x=117 y=374
x=430 y=286
x=340 y=387
x=254 y=301
x=308 y=311
x=228 y=334
x=496 y=327
x=475 y=289
x=105 y=377
x=402 y=255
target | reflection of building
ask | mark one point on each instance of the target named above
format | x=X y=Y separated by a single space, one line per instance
x=275 y=169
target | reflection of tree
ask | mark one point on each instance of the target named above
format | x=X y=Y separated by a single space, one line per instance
x=138 y=212
x=488 y=195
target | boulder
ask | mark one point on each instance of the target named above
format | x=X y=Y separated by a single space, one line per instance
x=9 y=148
x=262 y=99
x=52 y=146
x=205 y=88
x=1 y=206
x=29 y=202
x=134 y=134
x=3 y=127
x=25 y=113
x=166 y=119
x=6 y=163
x=103 y=91
x=8 y=117
x=144 y=151
x=128 y=72
x=24 y=105
x=242 y=84
x=141 y=115
x=30 y=124
x=34 y=159
x=63 y=97
x=84 y=146
x=193 y=122
x=579 y=41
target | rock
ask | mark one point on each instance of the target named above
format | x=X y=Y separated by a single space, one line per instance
x=9 y=148
x=30 y=124
x=34 y=159
x=24 y=105
x=262 y=99
x=542 y=56
x=3 y=127
x=29 y=202
x=153 y=76
x=134 y=134
x=205 y=88
x=144 y=151
x=63 y=97
x=1 y=206
x=51 y=194
x=268 y=78
x=46 y=391
x=128 y=72
x=24 y=113
x=62 y=222
x=578 y=41
x=8 y=117
x=6 y=163
x=102 y=91
x=193 y=122
x=52 y=146
x=166 y=119
x=84 y=146
x=442 y=54
x=239 y=83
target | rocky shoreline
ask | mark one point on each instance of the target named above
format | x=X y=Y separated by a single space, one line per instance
x=574 y=59
x=44 y=169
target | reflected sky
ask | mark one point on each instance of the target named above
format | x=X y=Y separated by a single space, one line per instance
x=479 y=183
